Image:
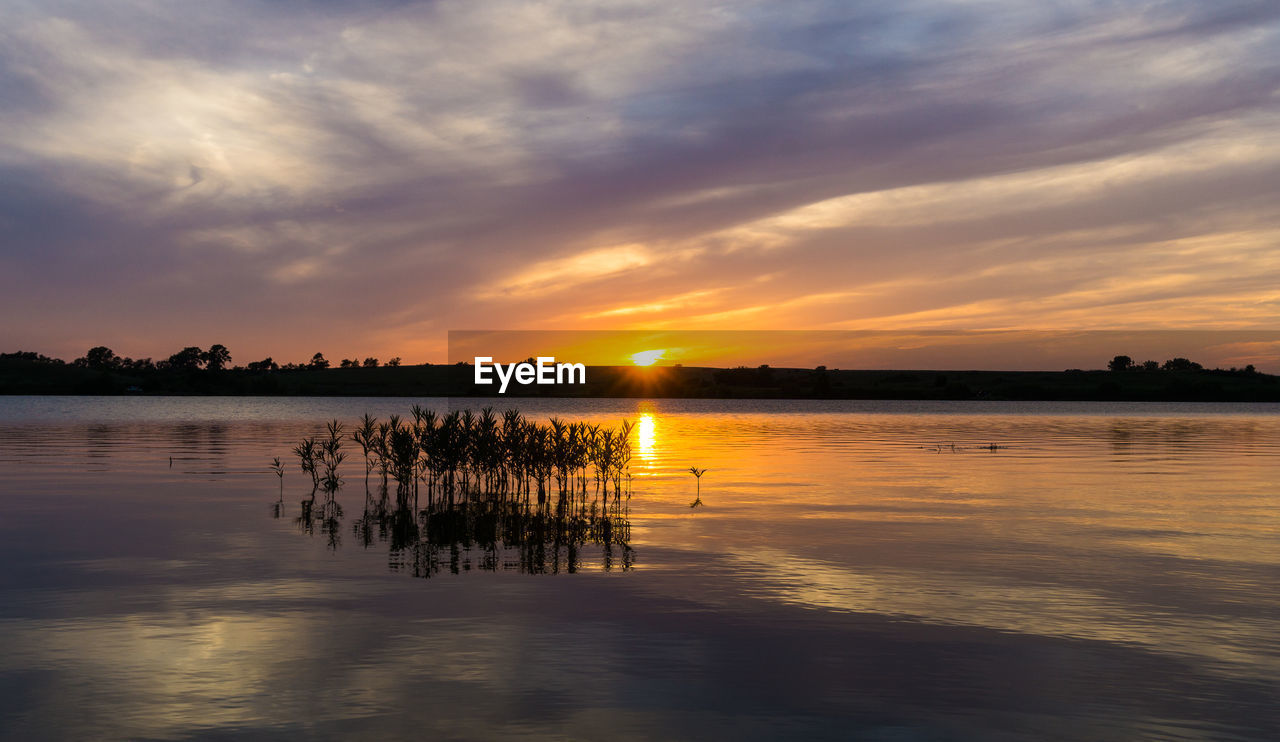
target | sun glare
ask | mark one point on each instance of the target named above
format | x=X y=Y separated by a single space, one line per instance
x=647 y=357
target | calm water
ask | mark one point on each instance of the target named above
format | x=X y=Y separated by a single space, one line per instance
x=858 y=571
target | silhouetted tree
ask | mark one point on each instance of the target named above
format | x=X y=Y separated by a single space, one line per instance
x=217 y=357
x=266 y=364
x=349 y=363
x=1181 y=364
x=101 y=358
x=318 y=361
x=821 y=381
x=1150 y=365
x=394 y=361
x=31 y=357
x=187 y=359
x=371 y=363
x=1120 y=363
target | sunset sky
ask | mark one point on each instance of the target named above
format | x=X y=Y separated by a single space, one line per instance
x=359 y=178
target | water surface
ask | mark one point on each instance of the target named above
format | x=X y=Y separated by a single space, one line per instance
x=861 y=570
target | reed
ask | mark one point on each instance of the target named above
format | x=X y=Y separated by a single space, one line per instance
x=308 y=453
x=464 y=456
x=366 y=436
x=331 y=457
x=493 y=481
x=697 y=474
x=277 y=507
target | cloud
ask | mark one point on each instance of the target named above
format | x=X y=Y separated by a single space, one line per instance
x=572 y=271
x=288 y=177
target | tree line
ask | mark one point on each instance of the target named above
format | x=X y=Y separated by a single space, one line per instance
x=1126 y=363
x=191 y=358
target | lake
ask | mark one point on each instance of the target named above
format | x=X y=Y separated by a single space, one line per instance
x=857 y=570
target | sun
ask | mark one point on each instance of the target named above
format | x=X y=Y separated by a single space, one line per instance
x=647 y=357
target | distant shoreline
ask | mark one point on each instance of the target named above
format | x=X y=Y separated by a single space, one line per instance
x=675 y=382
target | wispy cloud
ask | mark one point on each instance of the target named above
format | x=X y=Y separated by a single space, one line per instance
x=278 y=175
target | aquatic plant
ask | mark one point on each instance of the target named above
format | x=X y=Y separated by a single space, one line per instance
x=697 y=474
x=331 y=457
x=366 y=436
x=307 y=452
x=499 y=481
x=278 y=467
x=464 y=455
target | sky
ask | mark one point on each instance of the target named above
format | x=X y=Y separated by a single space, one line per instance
x=358 y=179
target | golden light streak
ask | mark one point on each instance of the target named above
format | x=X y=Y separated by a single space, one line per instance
x=646 y=436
